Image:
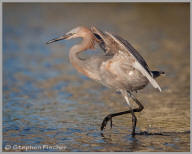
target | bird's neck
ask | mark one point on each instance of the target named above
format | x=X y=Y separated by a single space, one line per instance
x=77 y=62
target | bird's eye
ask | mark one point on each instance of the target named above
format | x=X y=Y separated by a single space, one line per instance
x=70 y=34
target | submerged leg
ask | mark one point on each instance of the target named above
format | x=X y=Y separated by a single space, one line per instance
x=134 y=119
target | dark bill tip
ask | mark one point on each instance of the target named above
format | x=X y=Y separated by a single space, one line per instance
x=51 y=41
x=59 y=38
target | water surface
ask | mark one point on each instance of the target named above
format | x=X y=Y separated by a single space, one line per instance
x=47 y=102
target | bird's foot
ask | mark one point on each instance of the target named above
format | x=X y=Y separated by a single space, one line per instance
x=133 y=133
x=106 y=119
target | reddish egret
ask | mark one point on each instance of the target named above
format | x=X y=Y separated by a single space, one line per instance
x=121 y=68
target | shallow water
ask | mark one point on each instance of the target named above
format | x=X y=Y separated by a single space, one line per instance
x=49 y=106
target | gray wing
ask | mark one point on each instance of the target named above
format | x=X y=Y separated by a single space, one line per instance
x=139 y=63
x=134 y=52
x=104 y=37
x=113 y=44
x=106 y=41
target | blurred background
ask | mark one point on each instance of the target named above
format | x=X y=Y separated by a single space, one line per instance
x=47 y=102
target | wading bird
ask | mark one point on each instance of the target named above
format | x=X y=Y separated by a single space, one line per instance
x=121 y=68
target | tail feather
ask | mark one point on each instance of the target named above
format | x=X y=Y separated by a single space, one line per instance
x=157 y=73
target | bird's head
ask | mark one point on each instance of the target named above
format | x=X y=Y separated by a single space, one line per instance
x=74 y=33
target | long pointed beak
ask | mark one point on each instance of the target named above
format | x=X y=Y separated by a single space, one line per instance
x=59 y=38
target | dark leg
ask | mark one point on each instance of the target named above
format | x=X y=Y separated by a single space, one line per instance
x=134 y=119
x=134 y=122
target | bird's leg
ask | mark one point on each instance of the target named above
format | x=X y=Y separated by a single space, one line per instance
x=134 y=119
x=134 y=122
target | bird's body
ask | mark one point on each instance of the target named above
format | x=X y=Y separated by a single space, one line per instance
x=114 y=71
x=118 y=74
x=121 y=68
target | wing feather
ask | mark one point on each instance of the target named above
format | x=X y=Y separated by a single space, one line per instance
x=139 y=67
x=124 y=46
x=139 y=63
